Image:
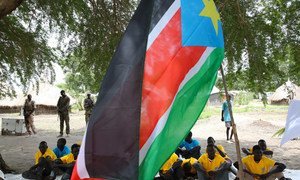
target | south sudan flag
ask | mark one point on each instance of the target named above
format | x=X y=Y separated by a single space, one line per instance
x=158 y=83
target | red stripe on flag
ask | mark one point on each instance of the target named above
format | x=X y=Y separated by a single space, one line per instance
x=166 y=65
x=75 y=175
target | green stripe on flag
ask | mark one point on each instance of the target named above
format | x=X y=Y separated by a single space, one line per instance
x=188 y=105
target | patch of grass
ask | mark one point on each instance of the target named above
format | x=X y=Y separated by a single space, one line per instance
x=252 y=107
x=209 y=111
x=268 y=108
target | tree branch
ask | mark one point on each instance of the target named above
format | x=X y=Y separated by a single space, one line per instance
x=7 y=6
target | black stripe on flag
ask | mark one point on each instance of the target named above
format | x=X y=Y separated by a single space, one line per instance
x=159 y=9
x=112 y=137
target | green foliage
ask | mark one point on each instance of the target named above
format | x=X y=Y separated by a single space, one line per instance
x=24 y=56
x=99 y=33
x=87 y=31
x=279 y=132
x=261 y=43
x=243 y=98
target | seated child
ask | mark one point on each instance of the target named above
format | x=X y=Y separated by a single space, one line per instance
x=43 y=160
x=61 y=149
x=212 y=166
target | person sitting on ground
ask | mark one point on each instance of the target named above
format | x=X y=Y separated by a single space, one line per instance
x=263 y=146
x=61 y=149
x=43 y=160
x=188 y=169
x=258 y=166
x=44 y=151
x=221 y=151
x=4 y=167
x=171 y=169
x=67 y=162
x=212 y=166
x=189 y=148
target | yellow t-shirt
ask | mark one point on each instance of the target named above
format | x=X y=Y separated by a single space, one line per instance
x=48 y=152
x=67 y=159
x=191 y=161
x=168 y=164
x=263 y=167
x=211 y=165
x=223 y=150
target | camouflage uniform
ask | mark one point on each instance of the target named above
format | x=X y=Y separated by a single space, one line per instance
x=88 y=107
x=63 y=112
x=28 y=111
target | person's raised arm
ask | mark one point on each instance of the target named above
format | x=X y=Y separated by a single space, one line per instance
x=220 y=151
x=268 y=152
x=246 y=151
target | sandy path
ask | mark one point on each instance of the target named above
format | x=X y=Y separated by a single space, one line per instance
x=18 y=151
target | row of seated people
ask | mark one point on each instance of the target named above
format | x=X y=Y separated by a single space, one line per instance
x=50 y=163
x=215 y=164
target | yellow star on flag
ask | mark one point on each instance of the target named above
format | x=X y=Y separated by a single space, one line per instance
x=210 y=10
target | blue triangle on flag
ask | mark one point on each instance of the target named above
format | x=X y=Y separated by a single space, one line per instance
x=199 y=30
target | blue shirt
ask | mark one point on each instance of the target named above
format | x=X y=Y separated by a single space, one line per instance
x=62 y=153
x=226 y=114
x=189 y=146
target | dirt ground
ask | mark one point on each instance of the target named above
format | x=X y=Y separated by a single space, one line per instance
x=18 y=151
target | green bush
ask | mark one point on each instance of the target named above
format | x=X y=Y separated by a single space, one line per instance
x=243 y=98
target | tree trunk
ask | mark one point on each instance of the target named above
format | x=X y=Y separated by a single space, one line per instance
x=7 y=6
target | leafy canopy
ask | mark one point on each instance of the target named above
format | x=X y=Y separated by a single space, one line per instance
x=261 y=41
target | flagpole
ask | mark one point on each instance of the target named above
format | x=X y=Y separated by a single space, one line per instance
x=236 y=139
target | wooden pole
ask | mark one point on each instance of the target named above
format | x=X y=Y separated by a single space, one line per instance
x=236 y=139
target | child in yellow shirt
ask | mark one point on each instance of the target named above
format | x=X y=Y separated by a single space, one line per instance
x=211 y=165
x=257 y=166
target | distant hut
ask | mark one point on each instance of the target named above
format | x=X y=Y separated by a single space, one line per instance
x=297 y=94
x=284 y=93
x=215 y=98
x=11 y=105
x=45 y=99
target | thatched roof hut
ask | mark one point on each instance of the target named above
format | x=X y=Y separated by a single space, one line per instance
x=284 y=93
x=297 y=94
x=45 y=99
x=215 y=98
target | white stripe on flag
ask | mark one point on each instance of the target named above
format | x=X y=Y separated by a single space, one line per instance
x=163 y=120
x=163 y=22
x=81 y=168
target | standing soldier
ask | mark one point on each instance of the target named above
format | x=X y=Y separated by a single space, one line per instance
x=28 y=110
x=63 y=112
x=88 y=107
